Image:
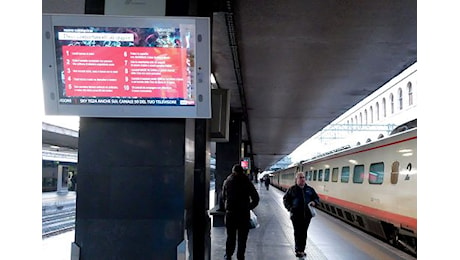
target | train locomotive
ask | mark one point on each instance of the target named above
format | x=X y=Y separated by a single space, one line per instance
x=372 y=186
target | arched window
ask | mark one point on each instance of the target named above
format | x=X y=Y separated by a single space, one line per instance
x=409 y=91
x=400 y=98
x=365 y=116
x=392 y=103
x=372 y=114
x=361 y=118
x=377 y=111
x=356 y=120
x=351 y=127
x=384 y=102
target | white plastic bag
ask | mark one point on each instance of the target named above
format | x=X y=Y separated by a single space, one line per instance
x=312 y=210
x=253 y=223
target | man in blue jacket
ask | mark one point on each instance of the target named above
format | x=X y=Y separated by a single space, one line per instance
x=239 y=196
x=296 y=200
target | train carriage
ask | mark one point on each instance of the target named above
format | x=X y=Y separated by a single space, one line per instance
x=372 y=186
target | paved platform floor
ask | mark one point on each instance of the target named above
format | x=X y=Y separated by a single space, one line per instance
x=58 y=247
x=328 y=237
x=273 y=239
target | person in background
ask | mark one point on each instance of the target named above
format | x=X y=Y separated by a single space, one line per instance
x=239 y=196
x=296 y=201
x=267 y=181
x=73 y=181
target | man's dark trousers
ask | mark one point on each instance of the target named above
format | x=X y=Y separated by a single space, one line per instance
x=236 y=223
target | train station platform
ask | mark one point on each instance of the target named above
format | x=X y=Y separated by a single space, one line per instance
x=274 y=238
x=328 y=237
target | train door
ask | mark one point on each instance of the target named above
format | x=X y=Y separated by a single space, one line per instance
x=63 y=179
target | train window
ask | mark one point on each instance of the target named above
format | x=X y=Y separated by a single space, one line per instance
x=50 y=173
x=327 y=174
x=320 y=175
x=287 y=178
x=376 y=172
x=335 y=174
x=315 y=174
x=345 y=174
x=358 y=173
x=394 y=172
x=309 y=175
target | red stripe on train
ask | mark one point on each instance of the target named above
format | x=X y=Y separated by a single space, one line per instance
x=396 y=219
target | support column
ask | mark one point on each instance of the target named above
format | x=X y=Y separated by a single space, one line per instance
x=199 y=233
x=143 y=193
x=198 y=223
x=227 y=154
x=130 y=198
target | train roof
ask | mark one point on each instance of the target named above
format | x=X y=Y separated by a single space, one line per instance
x=399 y=129
x=329 y=153
x=404 y=127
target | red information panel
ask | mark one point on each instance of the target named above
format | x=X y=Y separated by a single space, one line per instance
x=245 y=164
x=147 y=72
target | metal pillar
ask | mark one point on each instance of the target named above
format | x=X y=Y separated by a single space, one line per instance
x=227 y=154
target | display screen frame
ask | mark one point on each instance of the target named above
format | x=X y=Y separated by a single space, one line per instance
x=165 y=62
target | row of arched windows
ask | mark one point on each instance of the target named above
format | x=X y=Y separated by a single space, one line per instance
x=383 y=107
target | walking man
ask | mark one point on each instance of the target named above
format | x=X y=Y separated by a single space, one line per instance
x=296 y=200
x=239 y=196
x=267 y=181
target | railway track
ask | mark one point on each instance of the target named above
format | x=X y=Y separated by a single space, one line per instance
x=58 y=218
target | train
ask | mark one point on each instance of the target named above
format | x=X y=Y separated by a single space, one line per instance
x=50 y=173
x=372 y=186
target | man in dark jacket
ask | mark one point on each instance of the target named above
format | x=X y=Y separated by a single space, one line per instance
x=239 y=196
x=267 y=181
x=296 y=200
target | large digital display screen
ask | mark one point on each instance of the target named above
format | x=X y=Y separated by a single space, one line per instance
x=123 y=66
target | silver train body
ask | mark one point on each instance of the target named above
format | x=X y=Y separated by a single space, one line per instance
x=372 y=186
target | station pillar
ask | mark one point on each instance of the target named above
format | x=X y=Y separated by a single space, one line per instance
x=227 y=154
x=199 y=229
x=144 y=183
x=131 y=194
